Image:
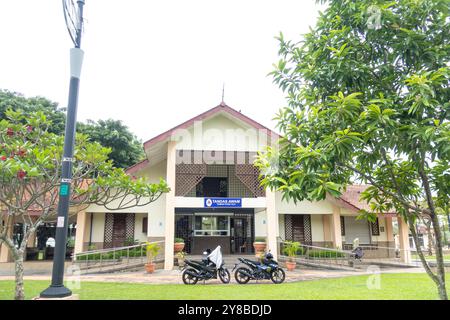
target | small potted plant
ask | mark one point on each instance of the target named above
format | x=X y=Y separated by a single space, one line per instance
x=152 y=251
x=178 y=245
x=290 y=249
x=260 y=245
x=180 y=258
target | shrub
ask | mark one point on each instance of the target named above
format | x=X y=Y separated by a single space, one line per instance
x=291 y=248
x=260 y=239
x=325 y=254
x=179 y=240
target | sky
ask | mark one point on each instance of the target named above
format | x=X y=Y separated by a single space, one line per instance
x=153 y=64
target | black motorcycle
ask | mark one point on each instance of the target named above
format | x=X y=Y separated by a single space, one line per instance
x=205 y=269
x=267 y=268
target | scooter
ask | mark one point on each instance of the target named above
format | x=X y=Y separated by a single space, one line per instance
x=206 y=269
x=268 y=268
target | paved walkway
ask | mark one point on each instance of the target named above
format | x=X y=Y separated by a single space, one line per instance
x=42 y=271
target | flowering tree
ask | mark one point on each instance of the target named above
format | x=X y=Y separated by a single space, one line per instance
x=368 y=100
x=30 y=175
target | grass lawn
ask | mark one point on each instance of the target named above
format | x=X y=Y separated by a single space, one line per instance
x=393 y=286
x=430 y=258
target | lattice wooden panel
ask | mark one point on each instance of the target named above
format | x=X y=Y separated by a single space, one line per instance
x=187 y=177
x=248 y=175
x=375 y=228
x=108 y=237
x=129 y=229
x=307 y=229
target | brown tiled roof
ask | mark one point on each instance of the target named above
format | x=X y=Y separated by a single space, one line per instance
x=352 y=195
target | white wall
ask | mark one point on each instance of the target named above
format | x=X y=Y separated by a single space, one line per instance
x=98 y=227
x=261 y=224
x=303 y=207
x=138 y=234
x=317 y=227
x=221 y=133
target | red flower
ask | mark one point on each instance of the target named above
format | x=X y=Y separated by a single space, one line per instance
x=21 y=174
x=9 y=132
x=3 y=158
x=21 y=153
x=29 y=128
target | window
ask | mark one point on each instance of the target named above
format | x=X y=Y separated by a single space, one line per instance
x=212 y=226
x=212 y=187
x=144 y=225
x=375 y=227
x=342 y=226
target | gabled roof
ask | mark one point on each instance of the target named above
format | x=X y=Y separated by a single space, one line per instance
x=222 y=107
x=351 y=199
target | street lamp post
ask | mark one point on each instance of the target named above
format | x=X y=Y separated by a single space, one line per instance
x=73 y=13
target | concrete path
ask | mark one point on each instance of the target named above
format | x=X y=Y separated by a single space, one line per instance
x=42 y=271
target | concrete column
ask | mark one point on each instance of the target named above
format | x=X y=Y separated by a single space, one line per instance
x=169 y=228
x=327 y=235
x=272 y=223
x=82 y=222
x=403 y=239
x=5 y=255
x=336 y=227
x=389 y=230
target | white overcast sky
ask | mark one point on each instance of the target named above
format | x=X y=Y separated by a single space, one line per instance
x=153 y=64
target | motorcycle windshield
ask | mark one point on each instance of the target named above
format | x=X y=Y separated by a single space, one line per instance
x=216 y=257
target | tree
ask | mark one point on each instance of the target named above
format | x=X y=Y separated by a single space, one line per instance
x=126 y=148
x=16 y=101
x=30 y=175
x=369 y=102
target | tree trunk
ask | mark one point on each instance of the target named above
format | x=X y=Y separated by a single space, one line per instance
x=420 y=253
x=18 y=263
x=439 y=258
x=440 y=270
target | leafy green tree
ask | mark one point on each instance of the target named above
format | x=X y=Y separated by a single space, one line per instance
x=16 y=101
x=30 y=175
x=126 y=149
x=368 y=101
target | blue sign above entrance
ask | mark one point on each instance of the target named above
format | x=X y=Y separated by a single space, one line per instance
x=223 y=203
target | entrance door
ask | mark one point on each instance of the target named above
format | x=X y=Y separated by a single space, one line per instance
x=298 y=228
x=242 y=233
x=119 y=230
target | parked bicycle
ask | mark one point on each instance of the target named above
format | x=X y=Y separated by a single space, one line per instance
x=267 y=268
x=210 y=267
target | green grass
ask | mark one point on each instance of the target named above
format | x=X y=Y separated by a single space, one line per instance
x=393 y=286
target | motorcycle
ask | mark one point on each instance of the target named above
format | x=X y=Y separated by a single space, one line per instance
x=267 y=268
x=210 y=267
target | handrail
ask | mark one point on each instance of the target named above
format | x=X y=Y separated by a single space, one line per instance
x=99 y=259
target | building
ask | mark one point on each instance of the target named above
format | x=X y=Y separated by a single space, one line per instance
x=216 y=199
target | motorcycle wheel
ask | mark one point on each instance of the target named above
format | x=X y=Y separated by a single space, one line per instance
x=277 y=276
x=224 y=275
x=242 y=278
x=189 y=279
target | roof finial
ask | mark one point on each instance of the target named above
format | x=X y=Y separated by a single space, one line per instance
x=223 y=92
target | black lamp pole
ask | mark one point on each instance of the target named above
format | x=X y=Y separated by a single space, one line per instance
x=75 y=26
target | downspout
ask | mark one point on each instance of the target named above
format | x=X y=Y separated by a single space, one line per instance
x=90 y=231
